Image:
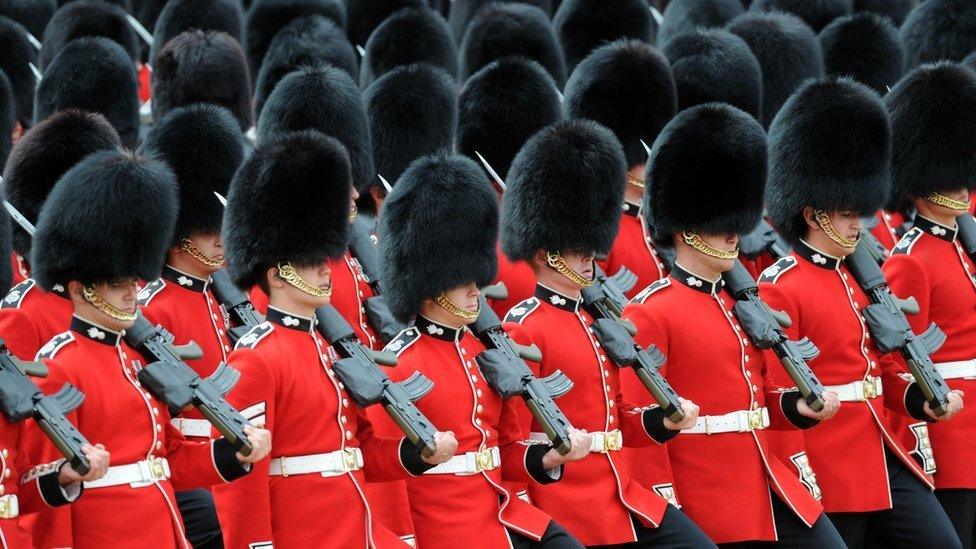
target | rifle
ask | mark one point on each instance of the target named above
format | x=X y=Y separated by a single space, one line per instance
x=504 y=368
x=615 y=286
x=367 y=384
x=889 y=328
x=242 y=313
x=377 y=310
x=967 y=234
x=170 y=380
x=763 y=238
x=21 y=399
x=764 y=327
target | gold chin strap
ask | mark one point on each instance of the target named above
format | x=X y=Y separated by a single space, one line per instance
x=823 y=220
x=288 y=273
x=91 y=296
x=195 y=252
x=450 y=307
x=557 y=262
x=634 y=180
x=694 y=240
x=951 y=203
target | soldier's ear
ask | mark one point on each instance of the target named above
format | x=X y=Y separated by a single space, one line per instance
x=808 y=217
x=76 y=288
x=540 y=259
x=274 y=281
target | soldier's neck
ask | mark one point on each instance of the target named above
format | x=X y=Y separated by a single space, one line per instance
x=940 y=214
x=438 y=314
x=285 y=302
x=696 y=263
x=552 y=279
x=186 y=264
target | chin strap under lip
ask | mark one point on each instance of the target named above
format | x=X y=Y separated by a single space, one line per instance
x=92 y=297
x=556 y=261
x=694 y=240
x=951 y=203
x=449 y=306
x=823 y=219
x=195 y=252
x=288 y=273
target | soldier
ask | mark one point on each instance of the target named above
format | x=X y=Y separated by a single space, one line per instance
x=584 y=25
x=562 y=206
x=105 y=226
x=933 y=171
x=182 y=15
x=310 y=493
x=87 y=18
x=830 y=154
x=409 y=35
x=685 y=16
x=265 y=18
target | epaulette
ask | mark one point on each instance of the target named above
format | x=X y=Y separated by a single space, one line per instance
x=647 y=292
x=522 y=310
x=17 y=294
x=147 y=294
x=251 y=339
x=906 y=243
x=403 y=340
x=773 y=272
x=52 y=347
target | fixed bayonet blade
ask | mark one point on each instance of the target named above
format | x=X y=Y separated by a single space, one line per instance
x=646 y=148
x=19 y=218
x=492 y=172
x=140 y=30
x=221 y=199
x=386 y=184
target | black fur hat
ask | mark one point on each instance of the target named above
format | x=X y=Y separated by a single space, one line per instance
x=15 y=55
x=109 y=217
x=715 y=65
x=933 y=113
x=366 y=15
x=500 y=30
x=502 y=106
x=88 y=18
x=204 y=146
x=970 y=61
x=564 y=192
x=866 y=47
x=32 y=14
x=628 y=87
x=420 y=220
x=266 y=17
x=324 y=99
x=896 y=10
x=584 y=25
x=8 y=112
x=788 y=53
x=830 y=149
x=306 y=41
x=42 y=156
x=706 y=173
x=413 y=112
x=462 y=11
x=410 y=35
x=302 y=182
x=95 y=75
x=817 y=13
x=682 y=16
x=207 y=15
x=202 y=67
x=939 y=30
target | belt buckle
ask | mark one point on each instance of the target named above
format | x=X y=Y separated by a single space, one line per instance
x=870 y=388
x=5 y=508
x=157 y=470
x=350 y=460
x=755 y=419
x=612 y=441
x=483 y=460
x=281 y=462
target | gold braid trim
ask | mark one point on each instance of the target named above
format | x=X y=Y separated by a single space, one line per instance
x=823 y=220
x=951 y=203
x=91 y=296
x=449 y=306
x=634 y=180
x=195 y=252
x=694 y=240
x=288 y=273
x=557 y=262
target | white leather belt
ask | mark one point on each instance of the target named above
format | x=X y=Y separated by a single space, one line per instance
x=328 y=465
x=137 y=475
x=469 y=463
x=9 y=506
x=957 y=369
x=857 y=391
x=192 y=427
x=741 y=421
x=603 y=441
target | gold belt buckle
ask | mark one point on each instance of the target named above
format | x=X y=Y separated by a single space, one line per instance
x=870 y=388
x=612 y=441
x=349 y=459
x=156 y=469
x=755 y=419
x=483 y=460
x=5 y=510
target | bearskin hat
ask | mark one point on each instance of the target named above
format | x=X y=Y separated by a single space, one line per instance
x=933 y=112
x=306 y=41
x=420 y=219
x=817 y=13
x=830 y=149
x=584 y=25
x=866 y=47
x=15 y=55
x=462 y=11
x=939 y=30
x=970 y=61
x=410 y=35
x=88 y=18
x=6 y=268
x=297 y=104
x=788 y=53
x=267 y=17
x=203 y=145
x=896 y=10
x=179 y=16
x=682 y=16
x=628 y=87
x=95 y=75
x=502 y=106
x=715 y=65
x=32 y=14
x=202 y=67
x=413 y=112
x=109 y=217
x=8 y=112
x=500 y=30
x=303 y=184
x=706 y=173
x=366 y=15
x=565 y=191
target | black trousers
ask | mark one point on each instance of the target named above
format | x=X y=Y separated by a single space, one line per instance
x=555 y=537
x=676 y=530
x=915 y=520
x=794 y=533
x=960 y=506
x=200 y=519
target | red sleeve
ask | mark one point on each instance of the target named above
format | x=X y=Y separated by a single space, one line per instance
x=19 y=334
x=525 y=336
x=641 y=416
x=906 y=278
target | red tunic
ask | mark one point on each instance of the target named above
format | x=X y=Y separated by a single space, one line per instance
x=930 y=265
x=18 y=268
x=30 y=317
x=887 y=229
x=519 y=279
x=634 y=249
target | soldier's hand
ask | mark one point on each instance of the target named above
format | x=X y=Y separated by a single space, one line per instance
x=690 y=410
x=581 y=442
x=831 y=405
x=953 y=408
x=444 y=447
x=260 y=439
x=98 y=459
